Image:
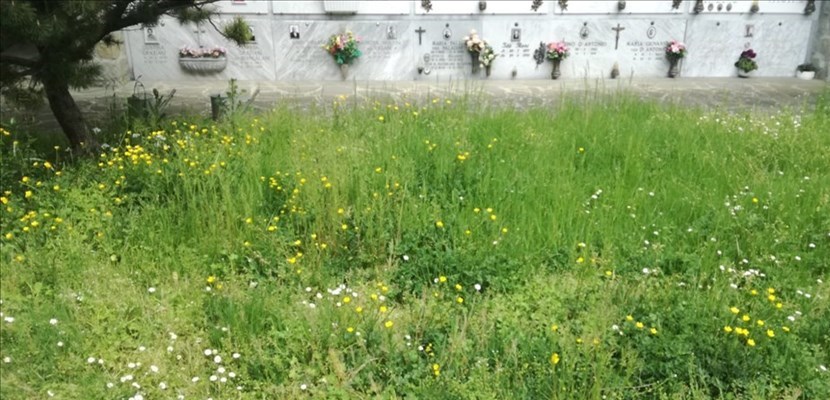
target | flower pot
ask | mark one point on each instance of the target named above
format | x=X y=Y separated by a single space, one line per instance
x=344 y=71
x=204 y=65
x=475 y=63
x=554 y=73
x=744 y=74
x=806 y=75
x=218 y=104
x=138 y=106
x=674 y=69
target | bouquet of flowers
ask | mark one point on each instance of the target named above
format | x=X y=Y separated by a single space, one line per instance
x=746 y=62
x=474 y=43
x=202 y=52
x=557 y=51
x=486 y=55
x=343 y=47
x=675 y=50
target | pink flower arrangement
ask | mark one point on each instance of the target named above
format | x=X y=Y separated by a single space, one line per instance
x=474 y=43
x=202 y=52
x=675 y=50
x=343 y=47
x=557 y=51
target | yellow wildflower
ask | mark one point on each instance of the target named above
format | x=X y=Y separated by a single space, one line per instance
x=554 y=358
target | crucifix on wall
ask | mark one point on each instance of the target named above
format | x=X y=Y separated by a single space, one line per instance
x=420 y=31
x=199 y=31
x=617 y=42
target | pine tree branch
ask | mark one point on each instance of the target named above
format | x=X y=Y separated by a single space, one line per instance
x=17 y=60
x=116 y=22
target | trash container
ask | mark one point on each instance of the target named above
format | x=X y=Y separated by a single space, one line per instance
x=218 y=103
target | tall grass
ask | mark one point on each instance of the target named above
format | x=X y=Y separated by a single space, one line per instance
x=437 y=249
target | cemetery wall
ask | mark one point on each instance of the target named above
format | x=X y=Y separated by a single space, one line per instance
x=821 y=54
x=115 y=66
x=401 y=40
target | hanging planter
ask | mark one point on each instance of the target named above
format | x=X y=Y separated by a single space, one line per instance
x=203 y=60
x=204 y=65
x=674 y=71
x=555 y=73
x=675 y=51
x=476 y=66
x=556 y=52
x=481 y=53
x=343 y=48
x=746 y=63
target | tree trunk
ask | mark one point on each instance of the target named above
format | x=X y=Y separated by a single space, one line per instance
x=69 y=117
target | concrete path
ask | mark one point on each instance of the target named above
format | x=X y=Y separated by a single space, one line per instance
x=725 y=93
x=102 y=105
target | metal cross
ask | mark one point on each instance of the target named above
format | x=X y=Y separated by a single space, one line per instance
x=617 y=29
x=420 y=31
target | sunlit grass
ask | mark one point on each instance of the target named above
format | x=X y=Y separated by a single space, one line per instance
x=381 y=250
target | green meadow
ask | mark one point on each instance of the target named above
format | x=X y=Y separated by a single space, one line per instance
x=607 y=248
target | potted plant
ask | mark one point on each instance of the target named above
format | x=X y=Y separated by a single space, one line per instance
x=806 y=71
x=674 y=52
x=556 y=52
x=343 y=47
x=746 y=63
x=203 y=59
x=486 y=57
x=475 y=46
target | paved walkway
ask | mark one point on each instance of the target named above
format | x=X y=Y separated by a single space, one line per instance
x=733 y=94
x=728 y=93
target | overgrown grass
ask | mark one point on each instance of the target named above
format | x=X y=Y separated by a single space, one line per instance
x=608 y=249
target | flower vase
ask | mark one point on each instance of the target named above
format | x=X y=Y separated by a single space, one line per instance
x=475 y=63
x=555 y=74
x=806 y=75
x=673 y=67
x=344 y=71
x=487 y=70
x=744 y=74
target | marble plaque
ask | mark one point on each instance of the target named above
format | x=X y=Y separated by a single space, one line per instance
x=363 y=7
x=517 y=54
x=442 y=52
x=472 y=7
x=387 y=49
x=157 y=57
x=636 y=45
x=714 y=46
x=242 y=7
x=744 y=6
x=612 y=7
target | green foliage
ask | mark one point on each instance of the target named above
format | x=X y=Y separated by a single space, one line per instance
x=343 y=47
x=238 y=30
x=43 y=49
x=606 y=249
